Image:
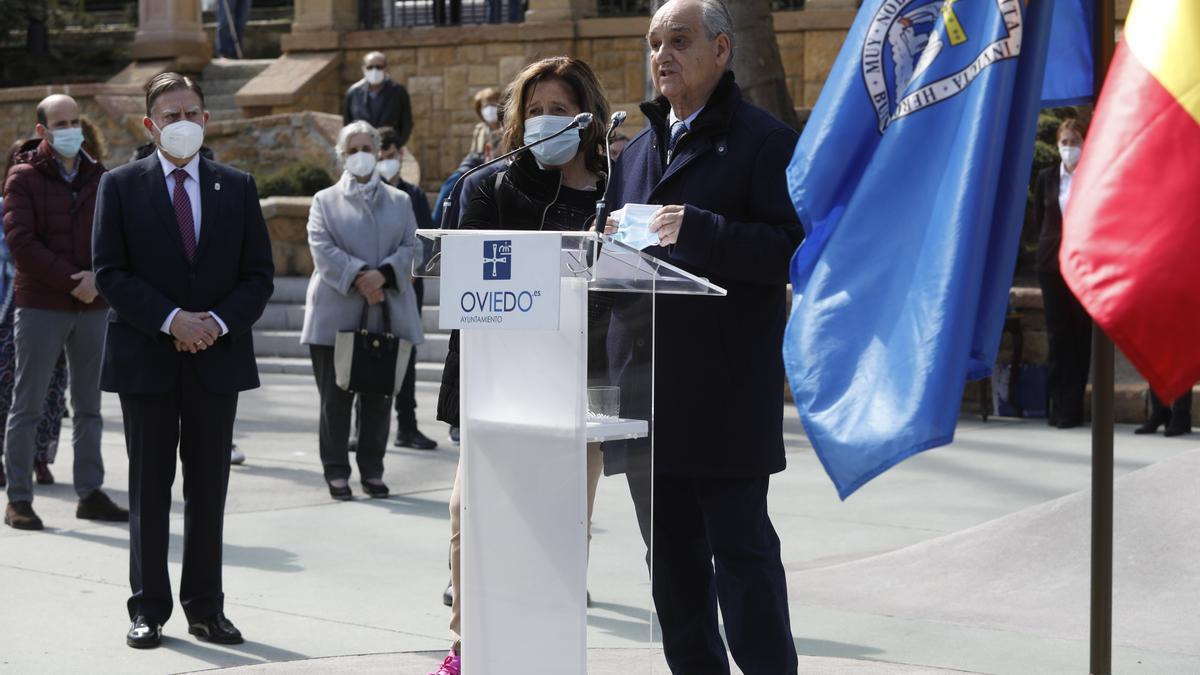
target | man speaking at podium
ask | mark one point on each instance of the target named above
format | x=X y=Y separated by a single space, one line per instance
x=716 y=165
x=182 y=256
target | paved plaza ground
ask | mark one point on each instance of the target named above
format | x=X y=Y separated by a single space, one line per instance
x=972 y=558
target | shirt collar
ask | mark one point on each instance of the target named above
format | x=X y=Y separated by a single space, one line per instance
x=672 y=119
x=192 y=168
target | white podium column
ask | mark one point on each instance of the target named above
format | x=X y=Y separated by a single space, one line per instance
x=524 y=492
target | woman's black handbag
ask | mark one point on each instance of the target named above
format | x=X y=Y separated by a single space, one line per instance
x=371 y=363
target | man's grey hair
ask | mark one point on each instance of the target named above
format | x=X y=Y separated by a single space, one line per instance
x=370 y=55
x=717 y=21
x=359 y=127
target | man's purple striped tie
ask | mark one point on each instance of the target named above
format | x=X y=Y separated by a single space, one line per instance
x=183 y=214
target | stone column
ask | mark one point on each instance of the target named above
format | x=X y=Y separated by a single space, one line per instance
x=319 y=24
x=171 y=30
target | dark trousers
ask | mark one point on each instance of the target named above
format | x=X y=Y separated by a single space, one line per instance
x=1070 y=331
x=714 y=543
x=232 y=28
x=336 y=406
x=200 y=424
x=406 y=398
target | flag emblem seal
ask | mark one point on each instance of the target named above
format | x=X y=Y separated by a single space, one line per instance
x=918 y=53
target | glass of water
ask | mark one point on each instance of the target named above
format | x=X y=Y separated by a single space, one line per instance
x=604 y=403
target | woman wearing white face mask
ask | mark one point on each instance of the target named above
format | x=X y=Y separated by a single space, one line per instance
x=1067 y=323
x=553 y=186
x=487 y=108
x=362 y=234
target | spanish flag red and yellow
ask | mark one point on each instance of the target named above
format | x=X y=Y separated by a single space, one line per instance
x=1131 y=236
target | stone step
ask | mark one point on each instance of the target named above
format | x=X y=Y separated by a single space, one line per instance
x=280 y=316
x=286 y=343
x=426 y=372
x=290 y=290
x=233 y=69
x=214 y=88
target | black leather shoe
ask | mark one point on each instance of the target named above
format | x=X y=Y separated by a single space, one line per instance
x=144 y=634
x=97 y=506
x=448 y=594
x=342 y=494
x=1070 y=423
x=375 y=490
x=1178 y=428
x=1151 y=425
x=20 y=516
x=216 y=629
x=413 y=438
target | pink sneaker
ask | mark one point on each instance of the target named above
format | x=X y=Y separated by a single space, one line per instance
x=451 y=666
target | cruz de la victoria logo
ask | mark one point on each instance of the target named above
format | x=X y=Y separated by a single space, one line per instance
x=918 y=53
x=497 y=260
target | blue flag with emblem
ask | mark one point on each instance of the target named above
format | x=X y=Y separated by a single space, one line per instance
x=1069 y=68
x=910 y=179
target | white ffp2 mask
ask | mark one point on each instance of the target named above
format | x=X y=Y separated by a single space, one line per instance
x=181 y=139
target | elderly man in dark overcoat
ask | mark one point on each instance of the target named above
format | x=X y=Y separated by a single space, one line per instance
x=716 y=165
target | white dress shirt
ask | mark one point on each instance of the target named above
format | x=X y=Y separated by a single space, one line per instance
x=191 y=185
x=687 y=123
x=1064 y=187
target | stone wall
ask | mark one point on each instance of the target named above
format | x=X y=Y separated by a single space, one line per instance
x=444 y=67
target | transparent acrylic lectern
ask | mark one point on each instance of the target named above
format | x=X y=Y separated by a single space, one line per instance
x=526 y=442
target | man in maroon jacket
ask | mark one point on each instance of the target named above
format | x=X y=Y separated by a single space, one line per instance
x=49 y=199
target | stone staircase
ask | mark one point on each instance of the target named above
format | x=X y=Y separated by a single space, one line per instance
x=277 y=333
x=221 y=79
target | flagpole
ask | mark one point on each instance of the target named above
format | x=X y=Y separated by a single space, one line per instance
x=1103 y=395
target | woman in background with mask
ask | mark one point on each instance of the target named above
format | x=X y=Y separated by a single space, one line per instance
x=553 y=186
x=1067 y=323
x=362 y=234
x=487 y=108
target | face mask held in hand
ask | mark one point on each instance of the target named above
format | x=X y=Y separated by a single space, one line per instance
x=555 y=152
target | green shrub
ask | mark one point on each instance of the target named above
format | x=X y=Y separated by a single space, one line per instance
x=299 y=179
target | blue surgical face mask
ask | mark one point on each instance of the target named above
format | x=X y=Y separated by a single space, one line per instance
x=555 y=152
x=67 y=142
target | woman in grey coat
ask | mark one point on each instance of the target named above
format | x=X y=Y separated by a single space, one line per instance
x=362 y=234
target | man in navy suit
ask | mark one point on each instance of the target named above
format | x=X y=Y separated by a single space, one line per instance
x=182 y=256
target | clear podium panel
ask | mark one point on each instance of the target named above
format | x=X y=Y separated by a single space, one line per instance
x=621 y=620
x=606 y=264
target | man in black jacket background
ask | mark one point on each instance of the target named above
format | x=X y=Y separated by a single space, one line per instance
x=378 y=100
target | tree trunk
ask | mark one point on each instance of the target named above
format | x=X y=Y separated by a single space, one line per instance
x=756 y=60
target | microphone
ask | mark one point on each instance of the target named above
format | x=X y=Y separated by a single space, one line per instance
x=618 y=118
x=581 y=121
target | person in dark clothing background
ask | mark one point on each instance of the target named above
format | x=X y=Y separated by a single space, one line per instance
x=1177 y=416
x=1068 y=324
x=378 y=100
x=390 y=158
